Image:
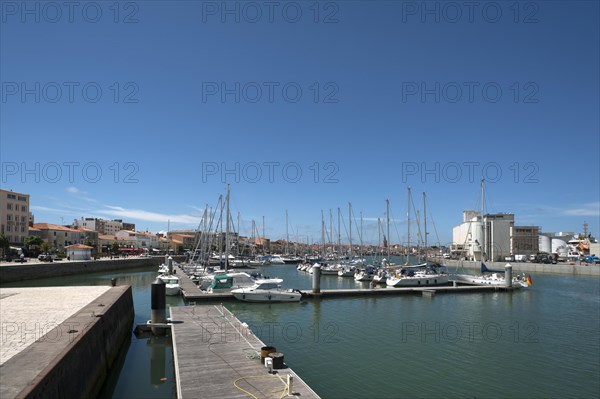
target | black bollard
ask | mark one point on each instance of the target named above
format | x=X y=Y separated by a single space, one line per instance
x=158 y=305
x=113 y=282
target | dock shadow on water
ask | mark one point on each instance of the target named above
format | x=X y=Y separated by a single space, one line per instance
x=148 y=360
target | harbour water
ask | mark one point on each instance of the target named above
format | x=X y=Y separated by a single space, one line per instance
x=543 y=341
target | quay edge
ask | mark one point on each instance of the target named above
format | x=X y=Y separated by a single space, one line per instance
x=526 y=267
x=10 y=273
x=72 y=360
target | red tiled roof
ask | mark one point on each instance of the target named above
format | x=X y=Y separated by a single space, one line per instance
x=50 y=226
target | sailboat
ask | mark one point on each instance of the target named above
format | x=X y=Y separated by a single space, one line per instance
x=171 y=280
x=490 y=277
x=424 y=274
x=386 y=265
x=494 y=278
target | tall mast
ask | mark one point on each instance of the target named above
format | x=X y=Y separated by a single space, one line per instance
x=408 y=231
x=227 y=229
x=387 y=215
x=425 y=223
x=361 y=235
x=339 y=231
x=323 y=233
x=237 y=246
x=287 y=235
x=350 y=220
x=330 y=227
x=221 y=241
x=483 y=222
x=379 y=233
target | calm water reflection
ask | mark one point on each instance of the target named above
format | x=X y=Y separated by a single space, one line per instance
x=539 y=342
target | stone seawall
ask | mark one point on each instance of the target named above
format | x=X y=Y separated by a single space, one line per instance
x=526 y=267
x=73 y=359
x=28 y=271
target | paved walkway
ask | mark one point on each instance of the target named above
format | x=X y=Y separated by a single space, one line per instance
x=26 y=314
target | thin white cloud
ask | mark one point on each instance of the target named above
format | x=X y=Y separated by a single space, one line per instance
x=143 y=215
x=589 y=209
x=79 y=194
x=382 y=219
x=50 y=210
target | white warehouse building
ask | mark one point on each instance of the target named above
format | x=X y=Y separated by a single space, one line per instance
x=470 y=235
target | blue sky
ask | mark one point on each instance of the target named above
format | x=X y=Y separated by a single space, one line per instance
x=303 y=106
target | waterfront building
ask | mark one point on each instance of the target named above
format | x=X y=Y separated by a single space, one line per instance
x=180 y=242
x=106 y=241
x=468 y=238
x=79 y=252
x=140 y=239
x=14 y=216
x=103 y=226
x=524 y=240
x=59 y=237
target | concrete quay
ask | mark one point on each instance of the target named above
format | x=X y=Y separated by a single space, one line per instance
x=60 y=342
x=11 y=272
x=526 y=267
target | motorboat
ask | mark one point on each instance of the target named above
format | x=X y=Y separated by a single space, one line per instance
x=346 y=270
x=225 y=282
x=380 y=277
x=171 y=284
x=364 y=275
x=276 y=260
x=267 y=290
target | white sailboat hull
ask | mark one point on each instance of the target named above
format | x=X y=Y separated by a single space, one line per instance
x=171 y=284
x=363 y=277
x=249 y=295
x=172 y=289
x=417 y=280
x=493 y=280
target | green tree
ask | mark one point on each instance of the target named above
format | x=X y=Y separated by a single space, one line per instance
x=32 y=243
x=4 y=244
x=45 y=247
x=115 y=248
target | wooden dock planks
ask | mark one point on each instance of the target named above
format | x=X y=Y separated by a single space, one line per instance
x=213 y=351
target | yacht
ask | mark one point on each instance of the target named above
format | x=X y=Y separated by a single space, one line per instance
x=276 y=260
x=267 y=290
x=346 y=270
x=171 y=284
x=381 y=276
x=419 y=275
x=364 y=274
x=225 y=282
x=494 y=277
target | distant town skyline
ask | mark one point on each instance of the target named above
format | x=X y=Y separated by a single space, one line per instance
x=371 y=235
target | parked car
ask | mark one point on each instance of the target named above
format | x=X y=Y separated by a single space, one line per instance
x=545 y=259
x=520 y=258
x=45 y=258
x=592 y=259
